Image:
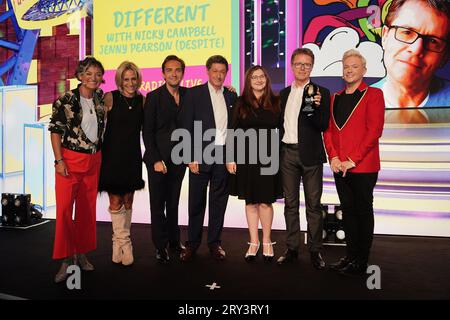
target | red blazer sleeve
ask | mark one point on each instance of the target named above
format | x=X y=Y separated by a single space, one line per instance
x=374 y=126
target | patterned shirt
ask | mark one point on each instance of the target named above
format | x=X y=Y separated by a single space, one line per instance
x=66 y=119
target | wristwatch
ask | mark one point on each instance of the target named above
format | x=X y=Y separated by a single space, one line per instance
x=58 y=161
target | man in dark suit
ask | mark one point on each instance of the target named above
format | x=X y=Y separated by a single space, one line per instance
x=161 y=111
x=302 y=157
x=208 y=105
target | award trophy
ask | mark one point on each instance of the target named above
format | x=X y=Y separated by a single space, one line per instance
x=308 y=99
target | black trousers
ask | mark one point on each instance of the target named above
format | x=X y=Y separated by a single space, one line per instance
x=217 y=177
x=164 y=199
x=293 y=171
x=356 y=196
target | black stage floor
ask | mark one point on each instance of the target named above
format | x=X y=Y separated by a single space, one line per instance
x=411 y=268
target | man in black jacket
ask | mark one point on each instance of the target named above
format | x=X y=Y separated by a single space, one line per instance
x=302 y=157
x=209 y=107
x=161 y=111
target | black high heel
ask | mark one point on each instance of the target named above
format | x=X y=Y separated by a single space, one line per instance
x=268 y=257
x=251 y=256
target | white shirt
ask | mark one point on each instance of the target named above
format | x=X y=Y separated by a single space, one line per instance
x=293 y=105
x=89 y=120
x=220 y=114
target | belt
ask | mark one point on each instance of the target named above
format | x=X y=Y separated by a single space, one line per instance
x=290 y=145
x=86 y=151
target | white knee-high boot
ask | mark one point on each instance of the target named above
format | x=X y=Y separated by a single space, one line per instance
x=118 y=225
x=127 y=247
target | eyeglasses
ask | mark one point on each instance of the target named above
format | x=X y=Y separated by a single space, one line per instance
x=261 y=77
x=410 y=36
x=299 y=65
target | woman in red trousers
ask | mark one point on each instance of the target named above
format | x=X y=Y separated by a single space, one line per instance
x=76 y=130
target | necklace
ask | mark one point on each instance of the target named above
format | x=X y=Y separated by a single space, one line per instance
x=89 y=103
x=130 y=107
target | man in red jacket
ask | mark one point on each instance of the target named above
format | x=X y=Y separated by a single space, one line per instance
x=356 y=124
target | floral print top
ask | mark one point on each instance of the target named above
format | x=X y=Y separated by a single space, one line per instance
x=67 y=115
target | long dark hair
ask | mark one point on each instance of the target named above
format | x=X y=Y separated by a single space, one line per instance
x=248 y=100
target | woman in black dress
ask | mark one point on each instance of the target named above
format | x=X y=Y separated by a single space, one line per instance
x=257 y=109
x=121 y=171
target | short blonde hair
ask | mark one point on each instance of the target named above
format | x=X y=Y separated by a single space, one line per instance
x=354 y=53
x=125 y=66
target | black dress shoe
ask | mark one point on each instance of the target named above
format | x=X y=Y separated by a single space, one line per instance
x=162 y=256
x=176 y=247
x=317 y=261
x=187 y=254
x=354 y=268
x=217 y=252
x=342 y=263
x=288 y=257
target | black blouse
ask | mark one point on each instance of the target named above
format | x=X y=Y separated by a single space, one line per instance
x=345 y=104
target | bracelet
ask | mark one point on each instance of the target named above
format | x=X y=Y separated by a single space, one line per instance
x=352 y=162
x=58 y=161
